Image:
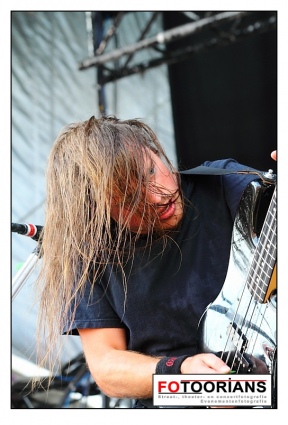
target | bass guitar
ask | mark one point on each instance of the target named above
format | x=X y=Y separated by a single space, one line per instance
x=240 y=325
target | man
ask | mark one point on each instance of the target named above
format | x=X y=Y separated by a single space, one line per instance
x=143 y=250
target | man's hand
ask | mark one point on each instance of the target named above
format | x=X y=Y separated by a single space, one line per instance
x=204 y=363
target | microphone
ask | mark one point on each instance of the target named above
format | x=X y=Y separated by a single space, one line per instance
x=30 y=230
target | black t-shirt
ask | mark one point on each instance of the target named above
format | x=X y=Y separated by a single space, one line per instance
x=168 y=290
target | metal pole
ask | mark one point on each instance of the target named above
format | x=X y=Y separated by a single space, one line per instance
x=25 y=271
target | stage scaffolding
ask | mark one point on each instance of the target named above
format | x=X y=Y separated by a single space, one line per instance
x=225 y=28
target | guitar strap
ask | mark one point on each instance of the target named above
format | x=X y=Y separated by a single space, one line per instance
x=201 y=169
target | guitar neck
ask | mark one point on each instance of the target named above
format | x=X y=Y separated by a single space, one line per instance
x=264 y=259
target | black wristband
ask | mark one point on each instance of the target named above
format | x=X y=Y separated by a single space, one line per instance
x=170 y=365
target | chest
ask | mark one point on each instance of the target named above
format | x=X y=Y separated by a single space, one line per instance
x=177 y=280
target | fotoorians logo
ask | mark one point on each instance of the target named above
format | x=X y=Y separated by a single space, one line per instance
x=211 y=390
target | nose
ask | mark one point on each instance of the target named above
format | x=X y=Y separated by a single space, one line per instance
x=156 y=195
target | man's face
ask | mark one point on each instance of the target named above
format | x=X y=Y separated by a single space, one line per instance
x=163 y=194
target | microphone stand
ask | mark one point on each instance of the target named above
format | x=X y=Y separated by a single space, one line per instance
x=24 y=272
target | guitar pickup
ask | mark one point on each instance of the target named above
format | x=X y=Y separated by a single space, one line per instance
x=237 y=337
x=238 y=358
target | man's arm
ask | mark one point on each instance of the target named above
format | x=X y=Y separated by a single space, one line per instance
x=126 y=374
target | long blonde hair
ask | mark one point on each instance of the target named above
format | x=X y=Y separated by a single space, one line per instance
x=90 y=162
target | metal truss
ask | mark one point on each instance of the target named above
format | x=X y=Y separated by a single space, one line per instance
x=225 y=28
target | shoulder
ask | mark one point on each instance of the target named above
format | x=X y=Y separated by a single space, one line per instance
x=231 y=186
x=229 y=170
x=228 y=163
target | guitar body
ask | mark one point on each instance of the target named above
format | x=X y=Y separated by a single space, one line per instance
x=240 y=325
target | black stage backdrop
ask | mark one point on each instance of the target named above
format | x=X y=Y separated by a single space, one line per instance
x=224 y=98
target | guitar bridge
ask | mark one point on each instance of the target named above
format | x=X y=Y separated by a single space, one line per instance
x=239 y=363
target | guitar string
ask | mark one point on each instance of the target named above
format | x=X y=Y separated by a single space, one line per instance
x=255 y=276
x=269 y=247
x=238 y=332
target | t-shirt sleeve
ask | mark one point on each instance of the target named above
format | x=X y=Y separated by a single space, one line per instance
x=93 y=311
